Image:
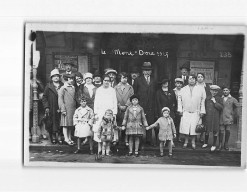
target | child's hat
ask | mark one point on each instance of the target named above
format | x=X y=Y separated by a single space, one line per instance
x=165 y=109
x=134 y=97
x=54 y=72
x=214 y=87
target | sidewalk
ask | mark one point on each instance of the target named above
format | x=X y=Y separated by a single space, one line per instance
x=178 y=146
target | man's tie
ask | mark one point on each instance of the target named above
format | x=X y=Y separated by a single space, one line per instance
x=148 y=80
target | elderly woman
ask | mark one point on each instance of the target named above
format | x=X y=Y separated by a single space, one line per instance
x=191 y=106
x=123 y=91
x=165 y=97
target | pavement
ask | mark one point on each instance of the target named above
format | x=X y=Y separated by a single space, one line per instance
x=45 y=151
x=232 y=144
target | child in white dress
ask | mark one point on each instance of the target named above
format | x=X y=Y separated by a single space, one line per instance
x=83 y=121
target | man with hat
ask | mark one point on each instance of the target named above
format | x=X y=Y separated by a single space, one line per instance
x=145 y=88
x=213 y=106
x=134 y=73
x=113 y=75
x=68 y=70
x=50 y=103
x=185 y=69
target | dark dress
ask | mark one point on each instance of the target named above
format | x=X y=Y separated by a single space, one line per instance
x=165 y=99
x=50 y=100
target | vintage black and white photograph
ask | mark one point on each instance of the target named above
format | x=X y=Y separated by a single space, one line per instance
x=134 y=95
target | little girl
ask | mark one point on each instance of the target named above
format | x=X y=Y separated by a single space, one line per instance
x=134 y=120
x=167 y=130
x=106 y=133
x=83 y=121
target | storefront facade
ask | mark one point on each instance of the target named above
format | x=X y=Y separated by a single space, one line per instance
x=218 y=56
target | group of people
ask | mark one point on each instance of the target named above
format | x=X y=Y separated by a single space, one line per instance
x=136 y=110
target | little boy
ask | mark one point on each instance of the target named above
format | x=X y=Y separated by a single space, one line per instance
x=227 y=116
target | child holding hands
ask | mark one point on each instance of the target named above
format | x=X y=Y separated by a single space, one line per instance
x=167 y=130
x=133 y=122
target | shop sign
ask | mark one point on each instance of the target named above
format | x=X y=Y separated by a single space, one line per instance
x=205 y=67
x=140 y=52
x=60 y=60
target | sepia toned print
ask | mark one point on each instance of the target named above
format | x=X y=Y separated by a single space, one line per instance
x=157 y=95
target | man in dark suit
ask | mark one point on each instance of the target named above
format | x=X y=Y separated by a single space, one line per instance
x=185 y=69
x=79 y=83
x=145 y=88
x=134 y=73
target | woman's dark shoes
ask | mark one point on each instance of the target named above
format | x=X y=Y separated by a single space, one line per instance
x=77 y=151
x=136 y=154
x=170 y=155
x=60 y=142
x=130 y=154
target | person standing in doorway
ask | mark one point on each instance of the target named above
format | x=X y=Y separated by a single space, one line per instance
x=227 y=116
x=191 y=106
x=145 y=88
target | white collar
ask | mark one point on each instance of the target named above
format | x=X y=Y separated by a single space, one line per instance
x=227 y=96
